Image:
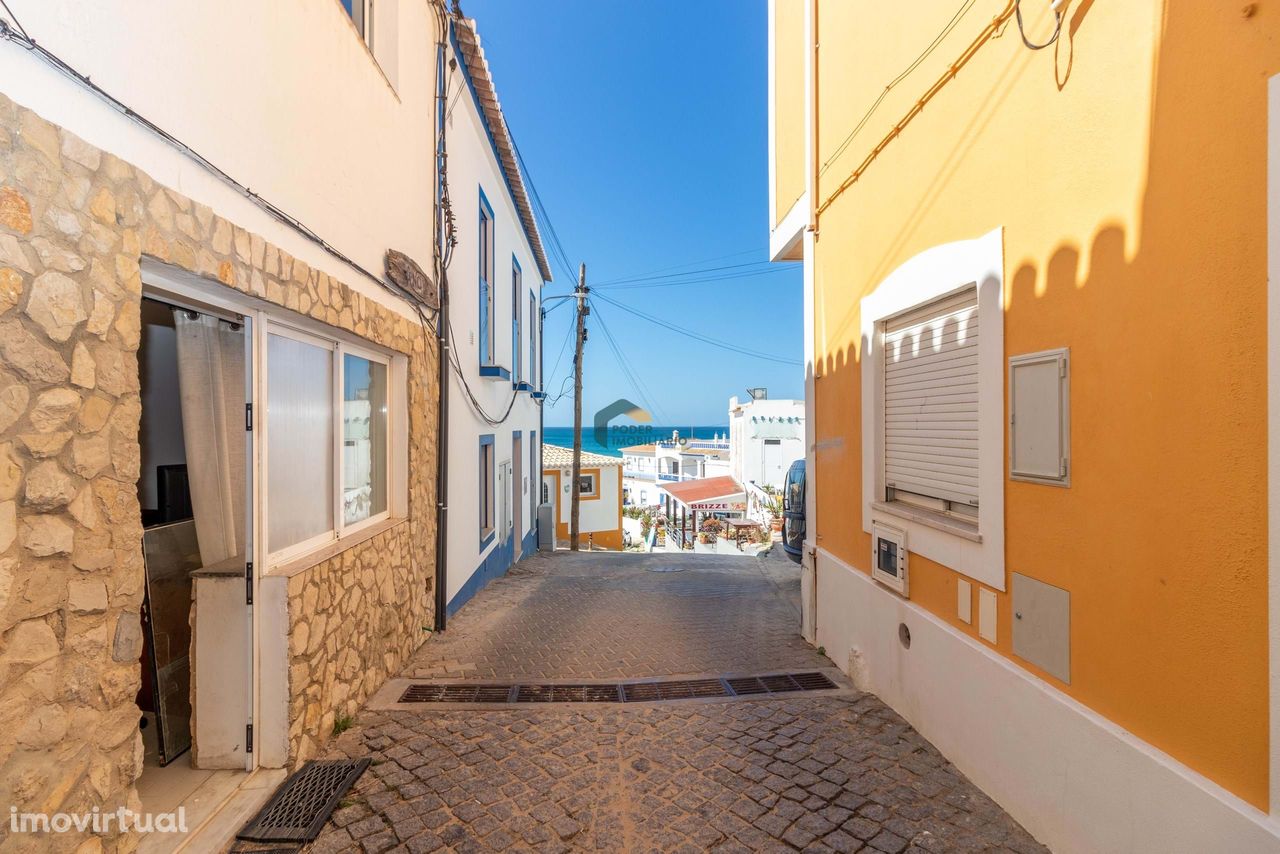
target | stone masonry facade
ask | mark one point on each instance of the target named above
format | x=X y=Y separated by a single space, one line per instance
x=75 y=224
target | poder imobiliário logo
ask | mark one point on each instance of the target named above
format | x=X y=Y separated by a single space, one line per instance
x=622 y=435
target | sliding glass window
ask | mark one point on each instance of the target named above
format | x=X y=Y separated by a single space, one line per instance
x=364 y=438
x=328 y=440
x=299 y=442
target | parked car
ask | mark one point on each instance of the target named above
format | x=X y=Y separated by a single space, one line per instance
x=793 y=511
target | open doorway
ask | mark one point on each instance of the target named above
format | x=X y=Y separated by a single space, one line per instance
x=194 y=489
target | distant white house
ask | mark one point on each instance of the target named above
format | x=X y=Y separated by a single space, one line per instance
x=600 y=499
x=765 y=438
x=645 y=467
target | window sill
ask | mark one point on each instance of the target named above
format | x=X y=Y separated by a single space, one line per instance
x=496 y=372
x=930 y=519
x=522 y=386
x=486 y=538
x=293 y=566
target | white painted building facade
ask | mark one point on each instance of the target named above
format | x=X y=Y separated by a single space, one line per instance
x=299 y=152
x=765 y=438
x=495 y=284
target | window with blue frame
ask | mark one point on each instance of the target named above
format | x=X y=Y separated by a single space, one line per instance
x=486 y=281
x=486 y=490
x=517 y=341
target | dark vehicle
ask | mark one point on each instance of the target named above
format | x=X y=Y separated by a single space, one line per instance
x=793 y=511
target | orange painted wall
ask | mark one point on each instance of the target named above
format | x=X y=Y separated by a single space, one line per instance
x=1127 y=166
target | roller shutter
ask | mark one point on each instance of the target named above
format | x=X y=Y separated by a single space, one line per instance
x=931 y=399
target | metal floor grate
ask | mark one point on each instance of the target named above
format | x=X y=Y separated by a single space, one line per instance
x=457 y=694
x=618 y=692
x=303 y=803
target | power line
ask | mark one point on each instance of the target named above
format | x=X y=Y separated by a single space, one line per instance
x=725 y=277
x=565 y=346
x=557 y=249
x=933 y=45
x=641 y=388
x=698 y=335
x=687 y=273
x=689 y=264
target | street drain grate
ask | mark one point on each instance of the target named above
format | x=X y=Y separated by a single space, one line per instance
x=567 y=694
x=619 y=692
x=780 y=684
x=457 y=694
x=689 y=689
x=303 y=803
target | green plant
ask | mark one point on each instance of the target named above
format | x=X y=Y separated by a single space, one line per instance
x=342 y=723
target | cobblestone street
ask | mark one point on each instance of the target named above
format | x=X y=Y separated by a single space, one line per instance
x=838 y=772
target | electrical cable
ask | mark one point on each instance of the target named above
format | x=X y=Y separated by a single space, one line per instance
x=16 y=22
x=627 y=369
x=689 y=264
x=557 y=248
x=698 y=335
x=726 y=277
x=20 y=38
x=686 y=273
x=933 y=45
x=1057 y=25
x=563 y=347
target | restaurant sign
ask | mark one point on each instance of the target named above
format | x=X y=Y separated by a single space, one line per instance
x=720 y=506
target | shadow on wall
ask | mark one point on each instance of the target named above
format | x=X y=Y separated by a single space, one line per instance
x=1161 y=537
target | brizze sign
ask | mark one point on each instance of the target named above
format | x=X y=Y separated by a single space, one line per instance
x=722 y=506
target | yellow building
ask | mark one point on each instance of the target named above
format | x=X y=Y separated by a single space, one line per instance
x=1038 y=336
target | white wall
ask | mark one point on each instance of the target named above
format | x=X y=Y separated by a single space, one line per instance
x=747 y=439
x=282 y=95
x=1075 y=780
x=472 y=166
x=594 y=514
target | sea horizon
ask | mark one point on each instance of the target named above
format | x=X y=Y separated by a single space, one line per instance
x=631 y=434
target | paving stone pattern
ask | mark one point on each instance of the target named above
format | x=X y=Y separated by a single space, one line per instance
x=820 y=773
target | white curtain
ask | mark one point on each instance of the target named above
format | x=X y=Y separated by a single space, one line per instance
x=212 y=389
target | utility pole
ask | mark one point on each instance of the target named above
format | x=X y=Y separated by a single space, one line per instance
x=580 y=339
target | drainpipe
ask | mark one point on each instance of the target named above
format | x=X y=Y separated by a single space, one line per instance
x=442 y=341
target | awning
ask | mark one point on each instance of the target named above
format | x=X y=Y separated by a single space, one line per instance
x=710 y=494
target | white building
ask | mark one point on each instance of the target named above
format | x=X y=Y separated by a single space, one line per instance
x=647 y=467
x=765 y=438
x=599 y=500
x=208 y=202
x=495 y=283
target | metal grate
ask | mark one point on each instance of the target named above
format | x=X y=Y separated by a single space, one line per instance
x=690 y=689
x=567 y=694
x=302 y=804
x=457 y=694
x=780 y=684
x=625 y=692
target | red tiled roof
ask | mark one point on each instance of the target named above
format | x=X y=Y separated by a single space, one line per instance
x=692 y=491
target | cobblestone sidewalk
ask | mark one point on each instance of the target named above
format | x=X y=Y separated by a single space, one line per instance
x=821 y=773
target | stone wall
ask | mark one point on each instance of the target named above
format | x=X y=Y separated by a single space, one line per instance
x=348 y=630
x=75 y=224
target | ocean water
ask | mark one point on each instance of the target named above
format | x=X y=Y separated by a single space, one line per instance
x=628 y=434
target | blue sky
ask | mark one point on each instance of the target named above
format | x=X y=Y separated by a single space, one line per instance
x=645 y=133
